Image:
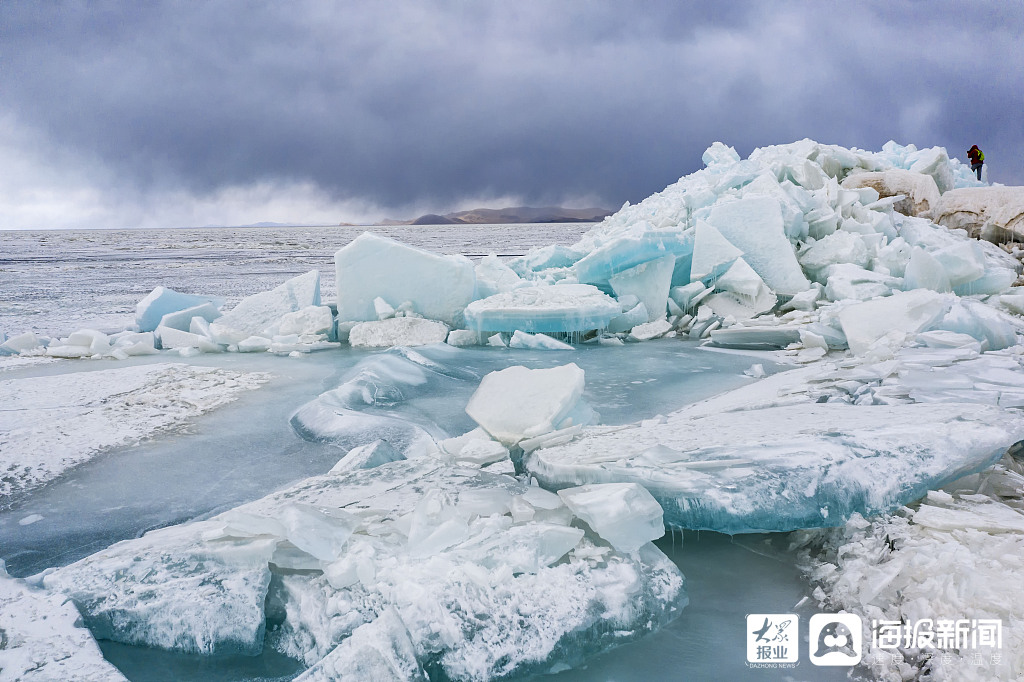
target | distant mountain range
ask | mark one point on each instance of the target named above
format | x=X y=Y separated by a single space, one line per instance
x=515 y=214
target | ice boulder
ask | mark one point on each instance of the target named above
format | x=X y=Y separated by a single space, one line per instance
x=397 y=331
x=519 y=403
x=624 y=514
x=494 y=277
x=906 y=313
x=492 y=563
x=649 y=282
x=741 y=293
x=371 y=266
x=641 y=244
x=162 y=301
x=783 y=467
x=20 y=344
x=556 y=308
x=182 y=319
x=257 y=314
x=314 y=320
x=754 y=225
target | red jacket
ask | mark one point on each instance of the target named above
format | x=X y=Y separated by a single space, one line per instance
x=975 y=156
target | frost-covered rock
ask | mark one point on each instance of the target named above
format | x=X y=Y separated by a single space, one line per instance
x=397 y=331
x=992 y=213
x=919 y=190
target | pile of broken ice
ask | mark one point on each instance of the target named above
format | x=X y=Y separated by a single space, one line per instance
x=807 y=231
x=424 y=553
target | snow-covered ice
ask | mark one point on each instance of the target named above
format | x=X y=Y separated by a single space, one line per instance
x=49 y=424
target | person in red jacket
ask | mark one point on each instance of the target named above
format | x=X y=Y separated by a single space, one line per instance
x=977 y=158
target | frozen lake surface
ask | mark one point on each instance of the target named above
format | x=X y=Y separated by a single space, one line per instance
x=56 y=282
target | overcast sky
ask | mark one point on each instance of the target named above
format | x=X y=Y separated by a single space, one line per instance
x=162 y=114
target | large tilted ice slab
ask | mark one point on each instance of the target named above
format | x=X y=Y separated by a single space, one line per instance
x=785 y=467
x=480 y=575
x=163 y=301
x=557 y=308
x=49 y=424
x=44 y=640
x=640 y=244
x=256 y=315
x=371 y=266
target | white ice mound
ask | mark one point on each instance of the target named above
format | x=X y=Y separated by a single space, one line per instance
x=557 y=308
x=43 y=638
x=785 y=467
x=624 y=514
x=256 y=315
x=397 y=331
x=162 y=301
x=372 y=266
x=475 y=575
x=519 y=403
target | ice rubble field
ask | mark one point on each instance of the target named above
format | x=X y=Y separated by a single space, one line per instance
x=422 y=553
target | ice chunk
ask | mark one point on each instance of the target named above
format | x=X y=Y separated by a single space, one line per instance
x=257 y=314
x=475 y=448
x=690 y=295
x=624 y=514
x=650 y=330
x=963 y=262
x=981 y=322
x=322 y=533
x=43 y=638
x=162 y=301
x=545 y=257
x=20 y=344
x=718 y=155
x=754 y=225
x=741 y=293
x=463 y=337
x=933 y=162
x=925 y=272
x=536 y=342
x=517 y=403
x=494 y=277
x=839 y=247
x=712 y=253
x=907 y=312
x=380 y=650
x=182 y=319
x=789 y=466
x=649 y=282
x=171 y=337
x=636 y=315
x=397 y=331
x=557 y=308
x=439 y=287
x=642 y=244
x=309 y=321
x=367 y=456
x=755 y=338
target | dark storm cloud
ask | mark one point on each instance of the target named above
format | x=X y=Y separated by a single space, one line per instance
x=403 y=104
